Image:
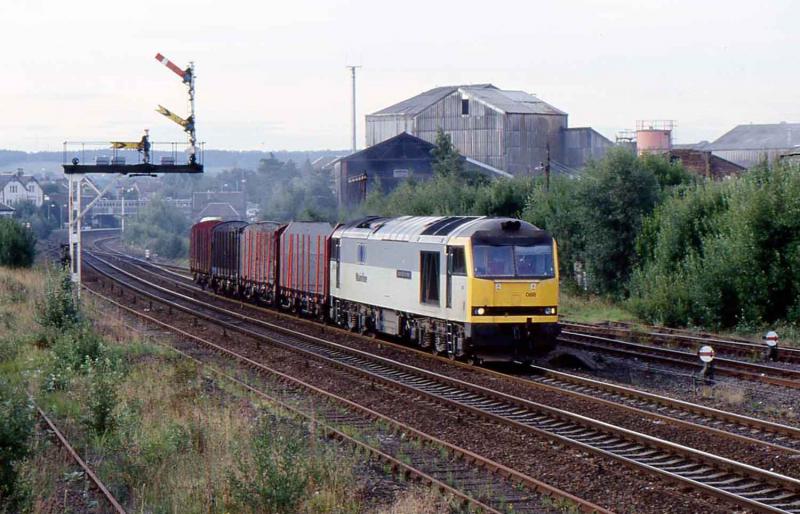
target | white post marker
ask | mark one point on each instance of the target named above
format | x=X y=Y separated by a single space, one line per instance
x=772 y=345
x=706 y=354
x=771 y=339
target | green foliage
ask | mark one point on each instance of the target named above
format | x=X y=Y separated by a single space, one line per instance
x=160 y=227
x=17 y=244
x=447 y=161
x=16 y=427
x=596 y=218
x=724 y=255
x=58 y=309
x=668 y=173
x=102 y=401
x=287 y=193
x=41 y=220
x=275 y=470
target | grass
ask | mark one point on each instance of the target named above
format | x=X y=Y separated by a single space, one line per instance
x=179 y=441
x=591 y=309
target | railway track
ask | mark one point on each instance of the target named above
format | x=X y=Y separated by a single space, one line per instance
x=745 y=485
x=642 y=403
x=95 y=481
x=785 y=377
x=739 y=348
x=477 y=482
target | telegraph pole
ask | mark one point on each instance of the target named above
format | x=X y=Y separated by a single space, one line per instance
x=353 y=74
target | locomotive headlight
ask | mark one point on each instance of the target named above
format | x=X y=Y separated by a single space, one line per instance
x=549 y=311
x=480 y=311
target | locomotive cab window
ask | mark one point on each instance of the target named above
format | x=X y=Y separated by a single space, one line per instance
x=362 y=253
x=517 y=261
x=429 y=277
x=456 y=262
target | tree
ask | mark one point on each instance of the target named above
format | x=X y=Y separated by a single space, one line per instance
x=160 y=226
x=447 y=160
x=17 y=244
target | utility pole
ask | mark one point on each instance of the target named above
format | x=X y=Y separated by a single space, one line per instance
x=547 y=170
x=353 y=74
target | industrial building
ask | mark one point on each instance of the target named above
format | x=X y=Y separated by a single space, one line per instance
x=511 y=131
x=749 y=144
x=389 y=163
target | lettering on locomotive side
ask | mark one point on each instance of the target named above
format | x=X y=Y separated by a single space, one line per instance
x=361 y=277
x=404 y=274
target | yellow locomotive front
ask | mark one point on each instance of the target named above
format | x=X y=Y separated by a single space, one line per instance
x=512 y=292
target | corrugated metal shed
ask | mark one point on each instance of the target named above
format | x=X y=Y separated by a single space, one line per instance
x=416 y=104
x=510 y=102
x=772 y=136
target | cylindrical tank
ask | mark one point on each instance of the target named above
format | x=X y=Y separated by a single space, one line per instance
x=653 y=141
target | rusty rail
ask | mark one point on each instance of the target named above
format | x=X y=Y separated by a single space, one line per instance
x=77 y=458
x=396 y=464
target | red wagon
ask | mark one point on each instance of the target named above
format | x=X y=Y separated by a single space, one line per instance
x=303 y=267
x=260 y=260
x=200 y=251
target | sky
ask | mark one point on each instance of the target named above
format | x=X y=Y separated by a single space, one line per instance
x=272 y=75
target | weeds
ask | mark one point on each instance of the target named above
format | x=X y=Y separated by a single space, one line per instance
x=275 y=476
x=102 y=399
x=58 y=308
x=16 y=427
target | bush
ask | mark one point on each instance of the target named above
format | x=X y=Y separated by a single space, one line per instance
x=274 y=472
x=16 y=427
x=723 y=255
x=17 y=244
x=58 y=309
x=160 y=227
x=596 y=218
x=103 y=380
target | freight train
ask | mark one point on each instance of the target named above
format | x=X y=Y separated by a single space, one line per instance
x=470 y=287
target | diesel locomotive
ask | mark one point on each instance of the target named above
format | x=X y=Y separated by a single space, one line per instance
x=469 y=287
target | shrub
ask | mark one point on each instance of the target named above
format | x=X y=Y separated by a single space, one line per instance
x=16 y=427
x=723 y=255
x=17 y=244
x=103 y=380
x=275 y=472
x=58 y=309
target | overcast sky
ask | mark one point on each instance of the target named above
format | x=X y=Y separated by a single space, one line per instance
x=271 y=74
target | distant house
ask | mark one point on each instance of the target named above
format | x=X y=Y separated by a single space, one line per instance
x=6 y=211
x=513 y=131
x=237 y=200
x=223 y=211
x=749 y=144
x=16 y=188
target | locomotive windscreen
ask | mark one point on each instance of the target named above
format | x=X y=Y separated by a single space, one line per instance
x=513 y=261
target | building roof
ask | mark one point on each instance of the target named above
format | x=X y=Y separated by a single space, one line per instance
x=201 y=198
x=6 y=178
x=772 y=136
x=6 y=208
x=502 y=100
x=26 y=179
x=223 y=211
